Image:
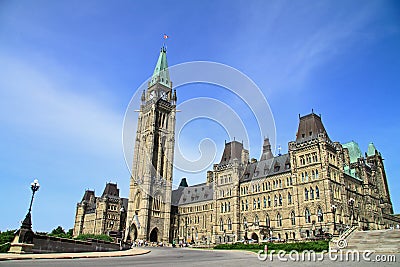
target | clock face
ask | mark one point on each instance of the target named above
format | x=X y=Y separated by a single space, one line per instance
x=152 y=95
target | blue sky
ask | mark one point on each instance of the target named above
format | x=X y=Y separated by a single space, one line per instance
x=70 y=68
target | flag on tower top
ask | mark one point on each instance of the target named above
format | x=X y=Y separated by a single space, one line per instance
x=166 y=36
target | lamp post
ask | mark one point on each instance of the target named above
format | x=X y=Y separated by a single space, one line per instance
x=351 y=204
x=23 y=239
x=320 y=221
x=27 y=223
x=333 y=208
x=245 y=230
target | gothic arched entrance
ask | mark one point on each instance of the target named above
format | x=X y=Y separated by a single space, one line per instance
x=254 y=236
x=154 y=235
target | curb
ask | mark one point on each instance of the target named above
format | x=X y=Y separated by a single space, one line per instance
x=71 y=255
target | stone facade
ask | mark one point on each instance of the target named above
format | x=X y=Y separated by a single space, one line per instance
x=149 y=206
x=101 y=215
x=318 y=187
x=292 y=196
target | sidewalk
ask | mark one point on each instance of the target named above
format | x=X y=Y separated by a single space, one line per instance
x=119 y=253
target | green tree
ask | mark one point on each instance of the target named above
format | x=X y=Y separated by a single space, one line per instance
x=70 y=233
x=57 y=231
x=5 y=240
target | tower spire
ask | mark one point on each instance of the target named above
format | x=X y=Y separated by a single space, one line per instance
x=161 y=73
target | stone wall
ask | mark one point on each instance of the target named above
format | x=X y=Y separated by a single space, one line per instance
x=49 y=244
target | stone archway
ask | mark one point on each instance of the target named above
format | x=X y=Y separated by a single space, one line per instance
x=154 y=235
x=254 y=236
x=132 y=234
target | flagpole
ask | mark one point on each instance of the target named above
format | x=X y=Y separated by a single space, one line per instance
x=165 y=41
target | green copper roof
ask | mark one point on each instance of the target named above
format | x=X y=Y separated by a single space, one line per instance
x=371 y=150
x=161 y=73
x=351 y=172
x=354 y=151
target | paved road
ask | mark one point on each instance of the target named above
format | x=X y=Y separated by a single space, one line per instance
x=185 y=257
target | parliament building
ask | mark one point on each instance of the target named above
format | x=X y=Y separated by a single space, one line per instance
x=319 y=187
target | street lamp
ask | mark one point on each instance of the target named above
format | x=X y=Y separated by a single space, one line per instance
x=245 y=229
x=320 y=221
x=333 y=208
x=27 y=223
x=192 y=235
x=351 y=204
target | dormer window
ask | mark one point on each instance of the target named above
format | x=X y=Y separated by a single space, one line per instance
x=303 y=135
x=276 y=168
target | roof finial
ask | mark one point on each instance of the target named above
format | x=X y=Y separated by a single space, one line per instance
x=312 y=111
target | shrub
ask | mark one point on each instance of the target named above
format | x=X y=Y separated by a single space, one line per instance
x=316 y=246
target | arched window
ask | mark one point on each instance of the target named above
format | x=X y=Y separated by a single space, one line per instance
x=280 y=200
x=254 y=204
x=258 y=203
x=267 y=221
x=156 y=205
x=280 y=183
x=229 y=206
x=320 y=215
x=306 y=176
x=269 y=201
x=247 y=205
x=311 y=193
x=316 y=192
x=256 y=220
x=313 y=174
x=242 y=205
x=306 y=194
x=307 y=215
x=293 y=218
x=275 y=201
x=302 y=176
x=265 y=202
x=316 y=174
x=221 y=225
x=278 y=220
x=137 y=201
x=229 y=224
x=289 y=198
x=244 y=223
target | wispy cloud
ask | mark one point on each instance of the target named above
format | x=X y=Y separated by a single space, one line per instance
x=35 y=103
x=293 y=39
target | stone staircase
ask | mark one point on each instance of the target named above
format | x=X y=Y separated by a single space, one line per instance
x=380 y=241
